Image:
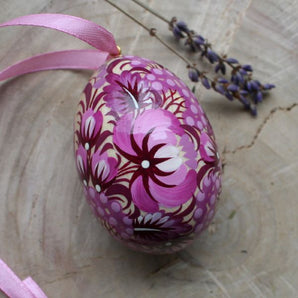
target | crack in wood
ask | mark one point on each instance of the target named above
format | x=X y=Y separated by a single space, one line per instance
x=183 y=256
x=69 y=274
x=260 y=128
x=78 y=269
x=189 y=259
x=165 y=266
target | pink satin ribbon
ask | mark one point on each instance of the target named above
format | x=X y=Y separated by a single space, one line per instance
x=70 y=59
x=105 y=47
x=87 y=31
x=14 y=287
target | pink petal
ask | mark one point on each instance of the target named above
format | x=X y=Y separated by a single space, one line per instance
x=176 y=178
x=190 y=152
x=103 y=169
x=81 y=156
x=141 y=198
x=122 y=133
x=164 y=123
x=91 y=124
x=174 y=196
x=113 y=168
x=207 y=148
x=162 y=135
x=104 y=165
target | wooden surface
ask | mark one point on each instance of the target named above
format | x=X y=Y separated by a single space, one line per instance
x=46 y=227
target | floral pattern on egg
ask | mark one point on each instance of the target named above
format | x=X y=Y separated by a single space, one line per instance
x=146 y=154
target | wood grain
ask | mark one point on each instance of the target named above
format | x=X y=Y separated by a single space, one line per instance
x=46 y=228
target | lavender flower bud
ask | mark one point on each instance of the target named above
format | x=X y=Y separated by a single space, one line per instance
x=247 y=67
x=240 y=78
x=223 y=81
x=243 y=92
x=233 y=88
x=205 y=82
x=182 y=26
x=217 y=67
x=268 y=86
x=199 y=40
x=258 y=97
x=235 y=80
x=255 y=85
x=232 y=60
x=242 y=71
x=253 y=110
x=229 y=96
x=245 y=102
x=248 y=86
x=193 y=75
x=177 y=33
x=223 y=69
x=212 y=56
x=220 y=88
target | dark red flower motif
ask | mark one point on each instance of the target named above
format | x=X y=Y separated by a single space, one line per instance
x=150 y=142
x=103 y=170
x=208 y=150
x=90 y=127
x=82 y=164
x=159 y=226
x=129 y=91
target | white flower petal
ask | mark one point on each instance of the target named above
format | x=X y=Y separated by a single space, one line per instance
x=164 y=219
x=170 y=165
x=103 y=169
x=89 y=126
x=167 y=151
x=156 y=216
x=147 y=218
x=80 y=163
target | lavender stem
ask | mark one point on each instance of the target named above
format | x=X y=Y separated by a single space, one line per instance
x=146 y=7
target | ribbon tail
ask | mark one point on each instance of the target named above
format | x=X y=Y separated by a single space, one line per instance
x=85 y=30
x=69 y=59
x=34 y=288
x=13 y=287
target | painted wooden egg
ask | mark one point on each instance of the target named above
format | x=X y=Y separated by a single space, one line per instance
x=146 y=155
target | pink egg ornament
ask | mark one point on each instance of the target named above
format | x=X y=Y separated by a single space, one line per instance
x=146 y=155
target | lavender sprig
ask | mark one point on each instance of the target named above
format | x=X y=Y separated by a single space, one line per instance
x=241 y=85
